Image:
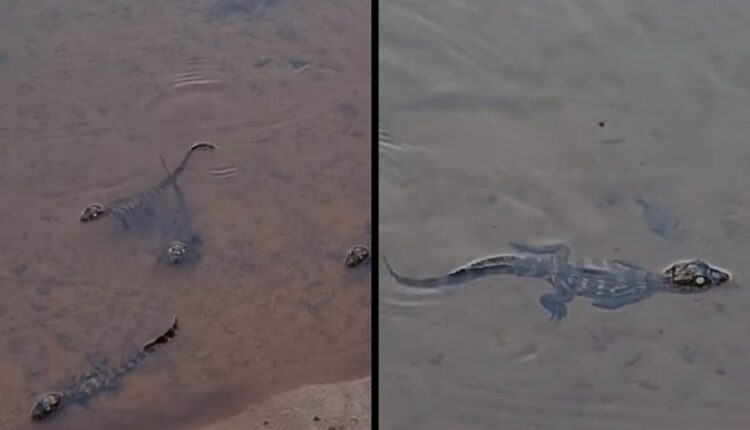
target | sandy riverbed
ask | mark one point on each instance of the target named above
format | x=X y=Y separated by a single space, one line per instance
x=341 y=406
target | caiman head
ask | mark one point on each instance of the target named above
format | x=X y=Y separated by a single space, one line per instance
x=357 y=255
x=93 y=212
x=46 y=406
x=694 y=276
x=177 y=251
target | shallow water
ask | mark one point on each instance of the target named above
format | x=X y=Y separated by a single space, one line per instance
x=93 y=93
x=538 y=121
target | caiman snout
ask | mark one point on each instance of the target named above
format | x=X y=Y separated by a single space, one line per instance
x=47 y=405
x=719 y=277
x=176 y=251
x=696 y=275
x=92 y=212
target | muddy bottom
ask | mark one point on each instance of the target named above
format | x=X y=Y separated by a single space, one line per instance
x=95 y=93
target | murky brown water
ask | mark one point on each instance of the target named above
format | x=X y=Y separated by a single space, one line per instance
x=554 y=120
x=93 y=92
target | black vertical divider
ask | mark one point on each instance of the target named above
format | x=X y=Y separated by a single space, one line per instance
x=375 y=254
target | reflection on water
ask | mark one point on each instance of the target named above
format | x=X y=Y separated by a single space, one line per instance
x=617 y=128
x=94 y=93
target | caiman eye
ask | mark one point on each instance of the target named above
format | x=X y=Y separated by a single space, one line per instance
x=700 y=280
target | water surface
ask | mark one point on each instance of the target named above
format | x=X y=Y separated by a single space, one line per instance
x=544 y=121
x=93 y=93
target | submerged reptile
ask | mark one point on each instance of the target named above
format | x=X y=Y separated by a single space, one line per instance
x=610 y=284
x=356 y=256
x=100 y=379
x=121 y=208
x=183 y=241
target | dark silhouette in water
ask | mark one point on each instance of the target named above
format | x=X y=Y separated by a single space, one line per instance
x=123 y=207
x=183 y=240
x=610 y=284
x=100 y=379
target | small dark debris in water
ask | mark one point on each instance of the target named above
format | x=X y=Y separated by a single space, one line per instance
x=646 y=385
x=348 y=109
x=437 y=360
x=659 y=218
x=316 y=418
x=602 y=124
x=298 y=64
x=262 y=61
x=608 y=201
x=637 y=358
x=266 y=422
x=357 y=255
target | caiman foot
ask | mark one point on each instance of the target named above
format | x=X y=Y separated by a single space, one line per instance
x=124 y=223
x=554 y=305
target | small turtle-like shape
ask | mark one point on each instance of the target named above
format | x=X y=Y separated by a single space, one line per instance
x=47 y=405
x=357 y=255
x=93 y=212
x=176 y=251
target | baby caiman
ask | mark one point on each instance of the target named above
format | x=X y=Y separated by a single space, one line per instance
x=100 y=379
x=123 y=207
x=610 y=284
x=357 y=255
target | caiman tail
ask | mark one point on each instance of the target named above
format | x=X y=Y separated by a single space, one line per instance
x=197 y=146
x=497 y=265
x=148 y=348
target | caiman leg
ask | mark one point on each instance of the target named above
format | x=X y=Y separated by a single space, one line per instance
x=555 y=302
x=124 y=222
x=104 y=367
x=562 y=250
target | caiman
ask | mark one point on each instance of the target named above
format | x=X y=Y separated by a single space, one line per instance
x=123 y=207
x=100 y=379
x=183 y=240
x=357 y=255
x=610 y=284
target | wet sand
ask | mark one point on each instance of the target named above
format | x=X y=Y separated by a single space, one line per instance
x=343 y=406
x=94 y=93
x=547 y=121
